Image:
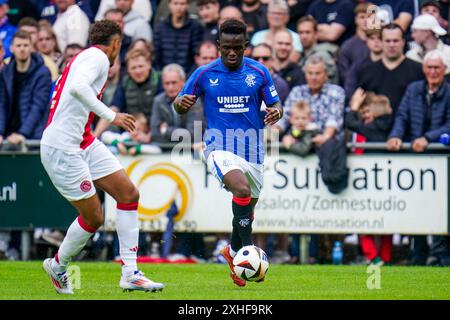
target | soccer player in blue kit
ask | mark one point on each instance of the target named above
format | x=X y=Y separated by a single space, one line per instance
x=233 y=88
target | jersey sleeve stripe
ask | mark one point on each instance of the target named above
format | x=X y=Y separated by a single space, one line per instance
x=199 y=76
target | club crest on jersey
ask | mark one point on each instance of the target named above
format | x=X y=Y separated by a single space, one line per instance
x=214 y=83
x=250 y=80
x=86 y=186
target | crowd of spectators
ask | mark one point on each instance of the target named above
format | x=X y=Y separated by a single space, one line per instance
x=357 y=70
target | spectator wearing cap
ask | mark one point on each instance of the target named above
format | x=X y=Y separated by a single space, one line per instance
x=426 y=33
x=71 y=25
x=7 y=30
x=434 y=8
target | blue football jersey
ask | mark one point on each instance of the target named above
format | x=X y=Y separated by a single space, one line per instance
x=232 y=106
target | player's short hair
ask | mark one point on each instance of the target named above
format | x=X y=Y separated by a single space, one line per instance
x=27 y=22
x=136 y=53
x=392 y=26
x=22 y=34
x=102 y=32
x=302 y=106
x=308 y=18
x=378 y=104
x=139 y=116
x=205 y=2
x=234 y=27
x=174 y=67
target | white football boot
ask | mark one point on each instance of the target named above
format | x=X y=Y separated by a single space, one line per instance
x=60 y=281
x=137 y=281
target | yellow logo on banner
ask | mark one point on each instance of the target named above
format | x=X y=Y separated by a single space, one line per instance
x=174 y=173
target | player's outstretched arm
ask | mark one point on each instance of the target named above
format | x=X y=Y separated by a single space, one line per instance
x=274 y=113
x=184 y=103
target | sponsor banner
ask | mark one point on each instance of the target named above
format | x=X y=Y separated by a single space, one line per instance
x=386 y=194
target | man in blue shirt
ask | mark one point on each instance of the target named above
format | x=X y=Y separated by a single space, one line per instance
x=234 y=89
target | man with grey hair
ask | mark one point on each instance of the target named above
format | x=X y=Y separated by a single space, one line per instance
x=325 y=100
x=426 y=33
x=423 y=116
x=165 y=120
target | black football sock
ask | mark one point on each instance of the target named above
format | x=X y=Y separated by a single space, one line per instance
x=242 y=221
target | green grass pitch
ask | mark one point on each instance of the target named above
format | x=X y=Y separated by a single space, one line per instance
x=27 y=280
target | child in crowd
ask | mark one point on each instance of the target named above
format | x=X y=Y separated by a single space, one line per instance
x=299 y=139
x=132 y=143
x=370 y=116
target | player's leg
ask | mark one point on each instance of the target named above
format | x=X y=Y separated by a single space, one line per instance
x=109 y=176
x=70 y=175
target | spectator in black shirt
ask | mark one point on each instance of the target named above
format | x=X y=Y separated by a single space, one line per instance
x=255 y=16
x=208 y=11
x=394 y=72
x=287 y=69
x=335 y=18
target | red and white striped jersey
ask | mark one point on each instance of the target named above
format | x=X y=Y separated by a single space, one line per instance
x=75 y=100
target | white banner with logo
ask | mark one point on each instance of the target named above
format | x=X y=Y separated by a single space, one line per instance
x=386 y=194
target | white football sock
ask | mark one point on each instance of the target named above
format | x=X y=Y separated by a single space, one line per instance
x=75 y=240
x=127 y=226
x=232 y=253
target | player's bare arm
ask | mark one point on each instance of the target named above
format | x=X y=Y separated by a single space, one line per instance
x=184 y=103
x=274 y=113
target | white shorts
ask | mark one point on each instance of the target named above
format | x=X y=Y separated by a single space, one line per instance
x=73 y=174
x=221 y=162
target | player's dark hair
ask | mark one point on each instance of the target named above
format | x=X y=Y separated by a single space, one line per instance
x=234 y=27
x=103 y=31
x=392 y=26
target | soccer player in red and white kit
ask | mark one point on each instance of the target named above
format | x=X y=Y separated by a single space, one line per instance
x=77 y=162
